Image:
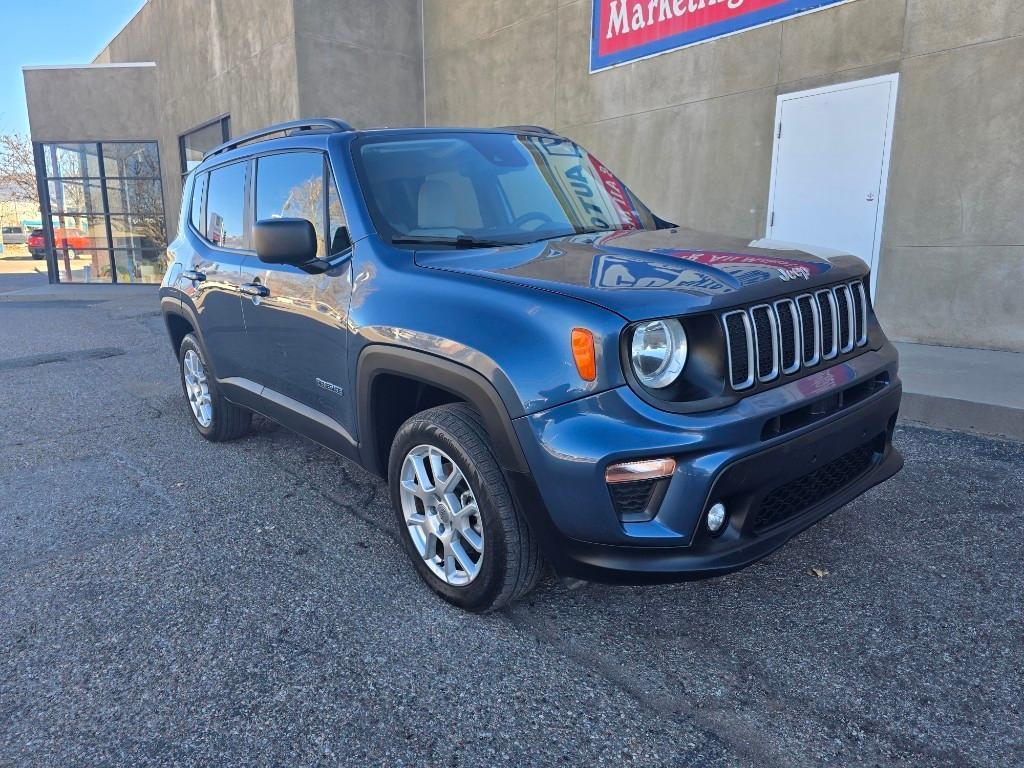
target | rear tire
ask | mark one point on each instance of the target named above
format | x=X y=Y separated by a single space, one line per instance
x=213 y=417
x=455 y=453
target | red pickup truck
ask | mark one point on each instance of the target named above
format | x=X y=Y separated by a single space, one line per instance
x=74 y=239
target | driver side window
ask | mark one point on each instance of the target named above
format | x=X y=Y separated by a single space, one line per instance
x=290 y=185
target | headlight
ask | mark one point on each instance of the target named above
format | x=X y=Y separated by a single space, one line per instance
x=658 y=352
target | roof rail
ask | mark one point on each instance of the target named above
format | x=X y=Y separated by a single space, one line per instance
x=527 y=129
x=324 y=124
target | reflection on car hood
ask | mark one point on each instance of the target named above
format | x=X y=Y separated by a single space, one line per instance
x=653 y=273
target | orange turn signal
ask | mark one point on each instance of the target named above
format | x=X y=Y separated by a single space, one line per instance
x=647 y=469
x=583 y=353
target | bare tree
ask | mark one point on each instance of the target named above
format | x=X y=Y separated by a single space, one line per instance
x=17 y=167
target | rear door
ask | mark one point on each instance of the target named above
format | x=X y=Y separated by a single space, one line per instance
x=221 y=236
x=297 y=331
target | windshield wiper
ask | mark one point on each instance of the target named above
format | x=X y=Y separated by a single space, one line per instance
x=573 y=233
x=462 y=241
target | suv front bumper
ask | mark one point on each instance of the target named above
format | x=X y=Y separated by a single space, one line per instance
x=810 y=467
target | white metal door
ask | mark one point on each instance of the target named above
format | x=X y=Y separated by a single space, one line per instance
x=830 y=166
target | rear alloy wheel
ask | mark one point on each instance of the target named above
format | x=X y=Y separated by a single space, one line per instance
x=197 y=387
x=214 y=417
x=456 y=517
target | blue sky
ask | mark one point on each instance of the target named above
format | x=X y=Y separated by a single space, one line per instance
x=51 y=32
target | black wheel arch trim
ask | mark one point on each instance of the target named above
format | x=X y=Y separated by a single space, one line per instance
x=172 y=305
x=458 y=379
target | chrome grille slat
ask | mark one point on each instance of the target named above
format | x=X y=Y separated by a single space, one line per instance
x=766 y=344
x=829 y=327
x=739 y=343
x=809 y=321
x=789 y=335
x=845 y=320
x=860 y=313
x=766 y=341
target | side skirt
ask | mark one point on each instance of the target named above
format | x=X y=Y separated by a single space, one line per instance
x=290 y=413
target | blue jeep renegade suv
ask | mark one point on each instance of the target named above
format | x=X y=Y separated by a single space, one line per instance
x=543 y=370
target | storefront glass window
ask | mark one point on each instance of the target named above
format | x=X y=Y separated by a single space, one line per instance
x=106 y=211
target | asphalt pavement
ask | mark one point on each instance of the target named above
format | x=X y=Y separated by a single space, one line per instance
x=167 y=601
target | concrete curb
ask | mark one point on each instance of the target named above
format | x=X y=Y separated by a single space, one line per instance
x=967 y=390
x=99 y=292
x=962 y=416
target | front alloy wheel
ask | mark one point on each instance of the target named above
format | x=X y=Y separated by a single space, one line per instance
x=455 y=515
x=442 y=515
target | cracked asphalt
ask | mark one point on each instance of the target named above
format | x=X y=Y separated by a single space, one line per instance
x=166 y=601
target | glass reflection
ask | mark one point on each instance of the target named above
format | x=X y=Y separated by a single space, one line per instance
x=106 y=210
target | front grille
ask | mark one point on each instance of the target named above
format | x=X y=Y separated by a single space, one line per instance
x=791 y=334
x=801 y=494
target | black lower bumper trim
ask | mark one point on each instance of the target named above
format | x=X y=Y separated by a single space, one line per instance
x=743 y=485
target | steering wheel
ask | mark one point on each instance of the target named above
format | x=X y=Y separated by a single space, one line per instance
x=538 y=216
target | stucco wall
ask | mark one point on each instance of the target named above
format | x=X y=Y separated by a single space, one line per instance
x=691 y=130
x=213 y=57
x=361 y=60
x=91 y=103
x=265 y=61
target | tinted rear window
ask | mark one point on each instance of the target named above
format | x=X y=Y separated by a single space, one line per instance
x=225 y=206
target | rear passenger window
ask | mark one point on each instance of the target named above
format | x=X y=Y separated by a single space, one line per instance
x=291 y=186
x=225 y=206
x=198 y=192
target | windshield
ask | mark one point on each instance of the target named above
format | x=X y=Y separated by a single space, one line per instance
x=467 y=189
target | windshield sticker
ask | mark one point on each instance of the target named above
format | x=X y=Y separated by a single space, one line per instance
x=589 y=202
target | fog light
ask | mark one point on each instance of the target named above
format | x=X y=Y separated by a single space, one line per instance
x=716 y=517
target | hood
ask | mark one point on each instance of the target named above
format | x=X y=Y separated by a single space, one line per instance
x=655 y=273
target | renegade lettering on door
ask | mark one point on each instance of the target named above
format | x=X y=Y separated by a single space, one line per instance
x=625 y=30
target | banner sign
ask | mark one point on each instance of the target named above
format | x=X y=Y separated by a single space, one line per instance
x=626 y=30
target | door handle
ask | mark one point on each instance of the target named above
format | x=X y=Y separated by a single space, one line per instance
x=193 y=275
x=256 y=290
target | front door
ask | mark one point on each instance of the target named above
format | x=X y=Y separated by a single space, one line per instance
x=297 y=330
x=830 y=167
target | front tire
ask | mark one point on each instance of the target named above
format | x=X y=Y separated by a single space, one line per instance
x=455 y=514
x=213 y=417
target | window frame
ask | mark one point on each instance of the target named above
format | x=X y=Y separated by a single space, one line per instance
x=225 y=131
x=204 y=178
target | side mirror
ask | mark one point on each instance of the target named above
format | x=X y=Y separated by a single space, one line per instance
x=285 y=241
